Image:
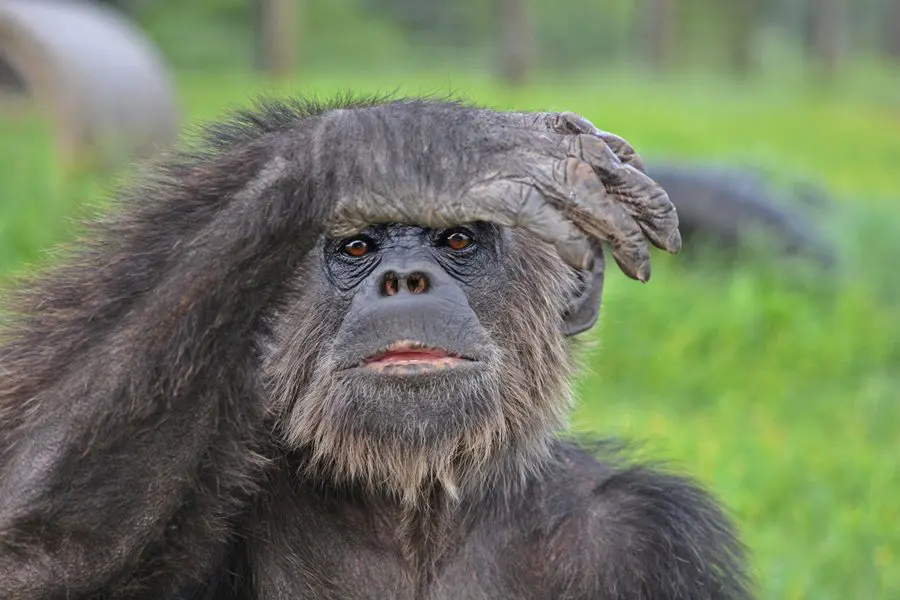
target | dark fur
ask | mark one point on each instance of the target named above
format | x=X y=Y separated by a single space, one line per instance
x=169 y=424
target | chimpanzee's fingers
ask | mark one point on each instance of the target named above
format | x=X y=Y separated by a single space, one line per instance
x=521 y=204
x=602 y=217
x=644 y=199
x=569 y=122
x=573 y=188
x=623 y=150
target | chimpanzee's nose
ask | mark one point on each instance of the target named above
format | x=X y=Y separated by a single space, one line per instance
x=393 y=282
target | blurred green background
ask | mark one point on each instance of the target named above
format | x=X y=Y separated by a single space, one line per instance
x=776 y=384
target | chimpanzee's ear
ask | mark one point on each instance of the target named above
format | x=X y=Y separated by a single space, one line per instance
x=584 y=305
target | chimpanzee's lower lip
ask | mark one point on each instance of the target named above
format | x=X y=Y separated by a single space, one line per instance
x=412 y=366
x=410 y=355
x=410 y=352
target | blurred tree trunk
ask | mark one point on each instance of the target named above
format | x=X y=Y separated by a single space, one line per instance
x=277 y=31
x=516 y=35
x=892 y=30
x=826 y=27
x=659 y=32
x=742 y=20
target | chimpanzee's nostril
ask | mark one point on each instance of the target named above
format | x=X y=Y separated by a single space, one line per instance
x=389 y=285
x=417 y=283
x=393 y=283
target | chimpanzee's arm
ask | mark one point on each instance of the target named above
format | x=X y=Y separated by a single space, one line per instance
x=129 y=392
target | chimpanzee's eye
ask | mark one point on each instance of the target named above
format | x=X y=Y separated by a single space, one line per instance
x=458 y=239
x=357 y=247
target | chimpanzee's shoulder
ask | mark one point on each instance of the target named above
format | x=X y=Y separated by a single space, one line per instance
x=592 y=527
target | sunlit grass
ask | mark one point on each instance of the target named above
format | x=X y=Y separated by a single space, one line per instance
x=779 y=390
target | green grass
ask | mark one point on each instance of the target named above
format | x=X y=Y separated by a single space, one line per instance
x=780 y=390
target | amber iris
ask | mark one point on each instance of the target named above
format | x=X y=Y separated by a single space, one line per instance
x=356 y=247
x=459 y=240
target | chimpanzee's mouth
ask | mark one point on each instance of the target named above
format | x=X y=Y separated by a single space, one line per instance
x=412 y=357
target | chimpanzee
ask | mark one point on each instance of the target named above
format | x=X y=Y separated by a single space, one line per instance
x=326 y=354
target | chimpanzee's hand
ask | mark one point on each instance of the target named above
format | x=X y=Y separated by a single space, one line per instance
x=559 y=178
x=596 y=183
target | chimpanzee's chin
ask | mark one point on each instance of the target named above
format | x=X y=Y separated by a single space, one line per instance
x=434 y=404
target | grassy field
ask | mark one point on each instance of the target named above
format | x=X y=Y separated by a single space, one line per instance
x=778 y=390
